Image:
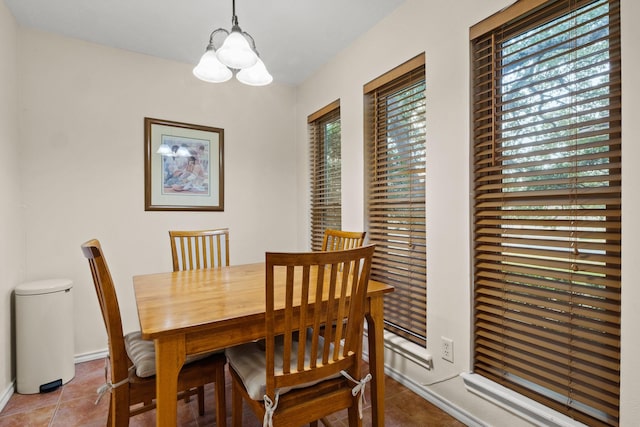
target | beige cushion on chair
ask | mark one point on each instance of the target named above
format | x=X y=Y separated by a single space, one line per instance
x=143 y=354
x=249 y=362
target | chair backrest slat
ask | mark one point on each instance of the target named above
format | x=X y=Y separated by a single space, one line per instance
x=338 y=240
x=198 y=249
x=309 y=293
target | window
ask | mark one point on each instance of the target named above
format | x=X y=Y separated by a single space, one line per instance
x=326 y=203
x=547 y=220
x=395 y=149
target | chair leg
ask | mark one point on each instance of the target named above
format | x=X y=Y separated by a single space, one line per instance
x=354 y=416
x=221 y=410
x=119 y=408
x=201 y=400
x=110 y=419
x=236 y=405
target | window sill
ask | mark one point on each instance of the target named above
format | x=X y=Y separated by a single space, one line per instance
x=515 y=403
x=410 y=351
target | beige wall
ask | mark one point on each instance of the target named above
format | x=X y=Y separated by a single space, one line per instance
x=12 y=247
x=81 y=130
x=431 y=26
x=630 y=404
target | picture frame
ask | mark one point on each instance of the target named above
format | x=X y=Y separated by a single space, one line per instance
x=183 y=166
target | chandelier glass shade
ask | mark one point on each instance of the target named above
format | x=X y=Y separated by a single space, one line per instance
x=255 y=76
x=210 y=69
x=236 y=54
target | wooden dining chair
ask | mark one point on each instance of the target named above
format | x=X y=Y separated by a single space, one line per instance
x=300 y=375
x=132 y=359
x=196 y=249
x=335 y=240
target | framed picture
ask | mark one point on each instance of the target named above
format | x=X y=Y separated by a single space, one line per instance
x=183 y=166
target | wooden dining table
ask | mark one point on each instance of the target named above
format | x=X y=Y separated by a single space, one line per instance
x=190 y=312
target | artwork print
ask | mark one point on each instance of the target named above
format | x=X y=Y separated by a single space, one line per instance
x=188 y=172
x=184 y=166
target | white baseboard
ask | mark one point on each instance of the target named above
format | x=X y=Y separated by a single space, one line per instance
x=434 y=398
x=6 y=395
x=87 y=357
x=424 y=359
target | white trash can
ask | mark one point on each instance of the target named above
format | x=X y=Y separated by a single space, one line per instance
x=44 y=335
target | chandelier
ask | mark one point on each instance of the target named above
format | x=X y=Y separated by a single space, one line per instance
x=237 y=53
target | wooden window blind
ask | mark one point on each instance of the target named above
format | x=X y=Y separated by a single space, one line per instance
x=395 y=148
x=547 y=204
x=325 y=164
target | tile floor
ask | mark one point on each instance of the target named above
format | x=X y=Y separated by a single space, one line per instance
x=74 y=405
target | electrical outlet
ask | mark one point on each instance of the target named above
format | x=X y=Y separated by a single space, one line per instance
x=447 y=349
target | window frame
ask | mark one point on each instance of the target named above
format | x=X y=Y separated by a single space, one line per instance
x=325 y=191
x=400 y=235
x=507 y=262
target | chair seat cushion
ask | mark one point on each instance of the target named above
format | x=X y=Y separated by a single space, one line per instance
x=248 y=360
x=143 y=354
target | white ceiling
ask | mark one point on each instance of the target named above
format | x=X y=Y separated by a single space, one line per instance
x=294 y=37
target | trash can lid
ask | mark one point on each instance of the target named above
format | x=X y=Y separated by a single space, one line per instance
x=43 y=286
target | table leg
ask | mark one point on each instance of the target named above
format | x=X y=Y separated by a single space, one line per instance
x=170 y=356
x=375 y=325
